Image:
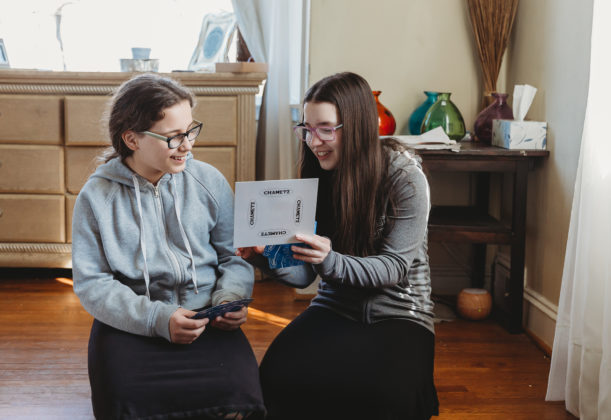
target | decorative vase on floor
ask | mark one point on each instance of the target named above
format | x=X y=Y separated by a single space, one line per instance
x=446 y=115
x=497 y=110
x=386 y=121
x=415 y=120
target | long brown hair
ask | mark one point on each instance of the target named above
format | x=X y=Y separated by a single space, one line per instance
x=353 y=197
x=137 y=104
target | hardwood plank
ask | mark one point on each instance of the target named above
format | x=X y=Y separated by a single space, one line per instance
x=481 y=371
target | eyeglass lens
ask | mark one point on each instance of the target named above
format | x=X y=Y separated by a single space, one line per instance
x=190 y=135
x=323 y=133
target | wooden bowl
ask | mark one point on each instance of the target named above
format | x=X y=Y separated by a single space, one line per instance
x=474 y=304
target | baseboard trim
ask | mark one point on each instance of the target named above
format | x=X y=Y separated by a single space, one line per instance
x=538 y=342
x=539 y=309
x=541 y=303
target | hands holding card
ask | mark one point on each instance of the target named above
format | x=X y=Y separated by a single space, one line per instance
x=227 y=315
x=186 y=326
x=222 y=309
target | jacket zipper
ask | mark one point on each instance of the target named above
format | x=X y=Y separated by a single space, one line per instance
x=173 y=258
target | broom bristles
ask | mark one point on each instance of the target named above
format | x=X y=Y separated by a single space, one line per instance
x=492 y=21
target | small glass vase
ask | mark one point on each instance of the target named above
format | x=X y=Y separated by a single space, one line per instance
x=415 y=120
x=386 y=121
x=497 y=110
x=446 y=115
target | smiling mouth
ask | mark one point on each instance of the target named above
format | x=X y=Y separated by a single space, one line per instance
x=322 y=154
x=179 y=158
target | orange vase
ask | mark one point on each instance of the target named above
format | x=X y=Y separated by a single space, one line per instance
x=386 y=121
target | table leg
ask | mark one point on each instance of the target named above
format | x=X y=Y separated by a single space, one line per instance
x=482 y=198
x=518 y=246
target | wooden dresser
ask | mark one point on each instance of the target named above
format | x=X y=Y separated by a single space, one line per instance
x=51 y=133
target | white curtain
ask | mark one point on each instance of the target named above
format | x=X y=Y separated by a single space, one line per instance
x=580 y=371
x=275 y=32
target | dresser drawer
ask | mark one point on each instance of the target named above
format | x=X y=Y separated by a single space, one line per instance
x=222 y=158
x=83 y=120
x=70 y=200
x=32 y=218
x=80 y=163
x=220 y=117
x=31 y=169
x=30 y=119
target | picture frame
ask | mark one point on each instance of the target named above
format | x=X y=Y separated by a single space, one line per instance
x=3 y=56
x=215 y=38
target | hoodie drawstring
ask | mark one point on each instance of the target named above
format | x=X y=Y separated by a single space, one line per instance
x=184 y=235
x=142 y=241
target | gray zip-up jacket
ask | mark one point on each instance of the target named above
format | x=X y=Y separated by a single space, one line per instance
x=393 y=284
x=140 y=251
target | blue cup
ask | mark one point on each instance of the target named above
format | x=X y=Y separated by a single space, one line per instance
x=141 y=53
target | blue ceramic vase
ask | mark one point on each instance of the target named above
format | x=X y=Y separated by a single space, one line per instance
x=415 y=120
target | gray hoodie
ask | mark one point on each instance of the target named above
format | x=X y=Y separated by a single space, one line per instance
x=140 y=253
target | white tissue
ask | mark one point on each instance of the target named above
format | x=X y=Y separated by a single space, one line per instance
x=523 y=96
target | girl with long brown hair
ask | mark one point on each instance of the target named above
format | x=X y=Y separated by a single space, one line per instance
x=364 y=348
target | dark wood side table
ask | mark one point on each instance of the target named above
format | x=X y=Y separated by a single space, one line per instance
x=473 y=224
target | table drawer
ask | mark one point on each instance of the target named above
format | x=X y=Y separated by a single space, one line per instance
x=220 y=117
x=32 y=218
x=31 y=169
x=80 y=163
x=222 y=158
x=30 y=119
x=83 y=120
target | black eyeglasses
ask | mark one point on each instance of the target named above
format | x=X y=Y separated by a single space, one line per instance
x=175 y=141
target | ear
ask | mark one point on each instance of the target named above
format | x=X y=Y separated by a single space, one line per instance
x=130 y=138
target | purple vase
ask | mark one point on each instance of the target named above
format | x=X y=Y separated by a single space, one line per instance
x=497 y=110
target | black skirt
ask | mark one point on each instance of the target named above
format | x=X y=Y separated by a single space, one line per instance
x=325 y=366
x=137 y=377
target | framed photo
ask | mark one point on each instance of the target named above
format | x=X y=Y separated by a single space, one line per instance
x=214 y=41
x=3 y=56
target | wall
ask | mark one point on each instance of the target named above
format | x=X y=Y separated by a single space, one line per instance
x=401 y=47
x=405 y=47
x=550 y=49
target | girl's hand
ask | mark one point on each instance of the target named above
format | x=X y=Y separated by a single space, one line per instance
x=183 y=329
x=321 y=246
x=249 y=252
x=231 y=320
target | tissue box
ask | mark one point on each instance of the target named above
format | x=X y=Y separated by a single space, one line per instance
x=511 y=134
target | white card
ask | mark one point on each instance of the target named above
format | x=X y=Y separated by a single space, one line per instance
x=273 y=212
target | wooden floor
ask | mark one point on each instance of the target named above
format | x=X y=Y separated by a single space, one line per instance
x=481 y=371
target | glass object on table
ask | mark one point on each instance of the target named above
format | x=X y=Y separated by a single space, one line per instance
x=497 y=110
x=415 y=120
x=386 y=121
x=444 y=113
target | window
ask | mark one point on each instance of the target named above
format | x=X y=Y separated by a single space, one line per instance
x=93 y=35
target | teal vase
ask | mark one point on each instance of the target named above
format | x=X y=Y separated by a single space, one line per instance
x=415 y=120
x=443 y=113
